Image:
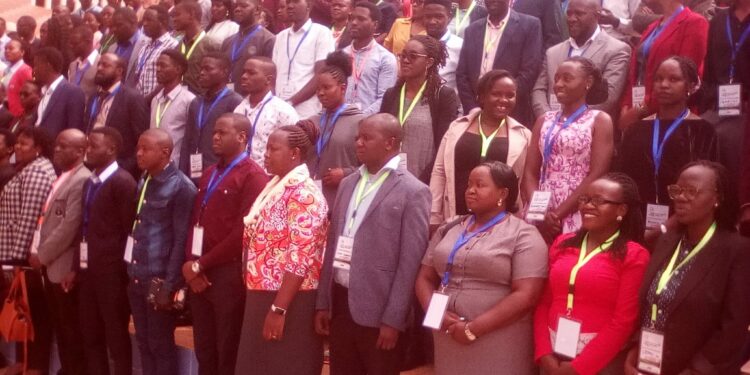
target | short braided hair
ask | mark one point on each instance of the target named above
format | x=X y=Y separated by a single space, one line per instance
x=338 y=65
x=301 y=135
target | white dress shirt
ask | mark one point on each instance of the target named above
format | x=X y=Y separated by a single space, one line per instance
x=492 y=36
x=453 y=44
x=47 y=92
x=219 y=32
x=576 y=50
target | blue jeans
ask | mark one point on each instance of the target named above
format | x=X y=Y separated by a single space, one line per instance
x=154 y=332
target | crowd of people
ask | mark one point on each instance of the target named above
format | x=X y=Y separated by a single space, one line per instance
x=489 y=187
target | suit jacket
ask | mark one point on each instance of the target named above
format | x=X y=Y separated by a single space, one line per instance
x=388 y=248
x=519 y=52
x=87 y=81
x=65 y=109
x=13 y=91
x=609 y=54
x=61 y=229
x=686 y=35
x=138 y=47
x=554 y=25
x=642 y=20
x=708 y=318
x=128 y=114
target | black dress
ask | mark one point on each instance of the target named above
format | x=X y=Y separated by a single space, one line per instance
x=694 y=139
x=468 y=156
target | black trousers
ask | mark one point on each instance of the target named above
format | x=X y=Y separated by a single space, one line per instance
x=352 y=346
x=39 y=349
x=105 y=313
x=63 y=309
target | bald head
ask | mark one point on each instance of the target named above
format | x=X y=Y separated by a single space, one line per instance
x=230 y=136
x=387 y=125
x=74 y=136
x=378 y=140
x=160 y=137
x=154 y=151
x=70 y=147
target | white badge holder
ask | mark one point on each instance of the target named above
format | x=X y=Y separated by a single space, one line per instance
x=196 y=248
x=343 y=256
x=650 y=351
x=567 y=336
x=639 y=96
x=656 y=215
x=83 y=256
x=402 y=163
x=287 y=92
x=554 y=105
x=433 y=317
x=35 y=241
x=196 y=165
x=538 y=205
x=730 y=100
x=129 y=250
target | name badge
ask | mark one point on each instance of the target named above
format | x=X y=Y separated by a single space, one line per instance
x=287 y=92
x=656 y=215
x=319 y=184
x=538 y=205
x=35 y=241
x=566 y=337
x=83 y=258
x=650 y=352
x=554 y=105
x=196 y=248
x=343 y=256
x=639 y=96
x=402 y=163
x=196 y=165
x=730 y=100
x=129 y=250
x=433 y=317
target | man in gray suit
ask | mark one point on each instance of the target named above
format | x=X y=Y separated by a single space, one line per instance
x=82 y=70
x=58 y=233
x=377 y=237
x=587 y=39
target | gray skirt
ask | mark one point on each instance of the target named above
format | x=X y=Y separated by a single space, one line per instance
x=300 y=352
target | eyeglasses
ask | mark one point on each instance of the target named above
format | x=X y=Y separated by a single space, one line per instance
x=595 y=201
x=410 y=56
x=689 y=192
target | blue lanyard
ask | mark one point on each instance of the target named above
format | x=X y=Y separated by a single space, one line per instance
x=255 y=122
x=236 y=49
x=95 y=104
x=291 y=59
x=650 y=39
x=144 y=59
x=81 y=71
x=463 y=239
x=657 y=148
x=549 y=139
x=93 y=188
x=735 y=47
x=202 y=123
x=325 y=125
x=214 y=182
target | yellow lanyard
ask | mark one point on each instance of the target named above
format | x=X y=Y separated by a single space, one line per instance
x=140 y=202
x=401 y=116
x=671 y=269
x=488 y=43
x=584 y=258
x=361 y=193
x=161 y=111
x=486 y=141
x=192 y=47
x=460 y=21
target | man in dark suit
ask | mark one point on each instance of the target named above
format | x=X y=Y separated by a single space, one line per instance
x=62 y=103
x=504 y=40
x=108 y=214
x=549 y=14
x=117 y=106
x=376 y=241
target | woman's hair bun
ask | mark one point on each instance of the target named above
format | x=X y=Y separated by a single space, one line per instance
x=341 y=61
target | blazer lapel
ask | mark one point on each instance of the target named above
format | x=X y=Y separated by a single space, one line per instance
x=506 y=38
x=54 y=99
x=596 y=45
x=115 y=105
x=347 y=191
x=66 y=185
x=702 y=264
x=388 y=185
x=658 y=261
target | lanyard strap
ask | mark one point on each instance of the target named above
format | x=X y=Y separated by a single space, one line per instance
x=237 y=48
x=584 y=258
x=649 y=41
x=326 y=129
x=257 y=117
x=671 y=269
x=161 y=111
x=93 y=188
x=361 y=193
x=549 y=139
x=140 y=202
x=95 y=104
x=486 y=141
x=145 y=57
x=401 y=116
x=105 y=46
x=463 y=239
x=214 y=182
x=460 y=20
x=489 y=43
x=192 y=47
x=296 y=49
x=358 y=69
x=201 y=115
x=657 y=148
x=735 y=47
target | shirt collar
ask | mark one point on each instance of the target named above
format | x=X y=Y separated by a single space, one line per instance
x=91 y=58
x=53 y=85
x=589 y=41
x=112 y=88
x=365 y=48
x=446 y=36
x=304 y=27
x=172 y=94
x=500 y=25
x=12 y=69
x=167 y=172
x=132 y=40
x=391 y=165
x=106 y=173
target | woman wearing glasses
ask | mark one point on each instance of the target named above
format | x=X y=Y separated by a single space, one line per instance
x=594 y=278
x=486 y=134
x=655 y=149
x=695 y=300
x=424 y=106
x=491 y=265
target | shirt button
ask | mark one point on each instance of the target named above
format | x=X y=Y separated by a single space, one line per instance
x=135 y=261
x=135 y=281
x=660 y=311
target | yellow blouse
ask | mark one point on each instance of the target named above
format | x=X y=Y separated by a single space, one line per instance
x=400 y=33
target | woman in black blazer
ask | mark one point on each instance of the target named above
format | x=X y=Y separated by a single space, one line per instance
x=436 y=104
x=702 y=311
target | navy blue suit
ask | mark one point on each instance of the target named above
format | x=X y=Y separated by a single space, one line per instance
x=65 y=109
x=519 y=52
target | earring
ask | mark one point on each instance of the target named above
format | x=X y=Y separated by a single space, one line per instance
x=716 y=205
x=619 y=218
x=500 y=203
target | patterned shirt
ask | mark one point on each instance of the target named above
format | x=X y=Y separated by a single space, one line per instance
x=264 y=120
x=143 y=70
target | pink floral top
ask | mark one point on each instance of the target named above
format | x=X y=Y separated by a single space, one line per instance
x=286 y=232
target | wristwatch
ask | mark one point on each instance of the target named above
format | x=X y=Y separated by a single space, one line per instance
x=196 y=267
x=278 y=310
x=468 y=333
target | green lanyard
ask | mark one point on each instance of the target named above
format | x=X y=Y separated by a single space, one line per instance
x=401 y=117
x=672 y=269
x=140 y=202
x=584 y=258
x=161 y=111
x=192 y=47
x=486 y=141
x=362 y=193
x=460 y=21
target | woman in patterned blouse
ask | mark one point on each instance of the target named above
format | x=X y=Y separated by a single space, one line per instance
x=283 y=247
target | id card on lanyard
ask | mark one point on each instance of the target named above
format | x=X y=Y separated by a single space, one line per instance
x=657 y=213
x=730 y=95
x=290 y=88
x=128 y=257
x=83 y=259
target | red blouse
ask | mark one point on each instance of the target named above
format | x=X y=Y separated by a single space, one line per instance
x=606 y=301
